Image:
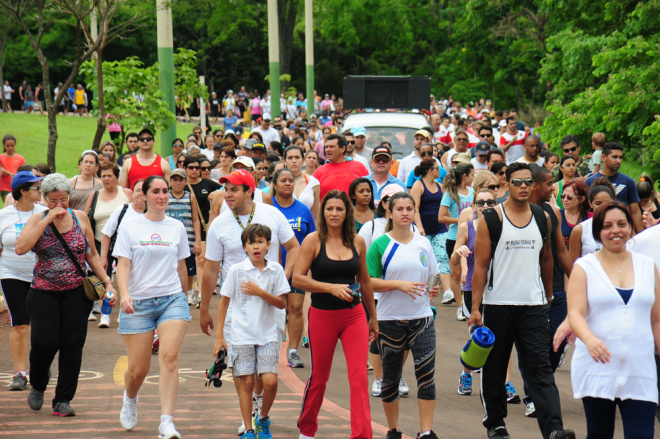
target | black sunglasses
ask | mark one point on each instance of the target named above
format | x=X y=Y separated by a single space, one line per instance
x=205 y=168
x=192 y=168
x=517 y=182
x=483 y=136
x=570 y=149
x=481 y=203
x=425 y=153
x=493 y=187
x=146 y=139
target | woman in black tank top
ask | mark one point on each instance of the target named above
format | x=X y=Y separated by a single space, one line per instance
x=336 y=257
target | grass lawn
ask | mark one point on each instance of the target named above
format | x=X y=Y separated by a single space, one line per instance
x=75 y=135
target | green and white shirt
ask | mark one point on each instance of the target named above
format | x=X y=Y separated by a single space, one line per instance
x=391 y=260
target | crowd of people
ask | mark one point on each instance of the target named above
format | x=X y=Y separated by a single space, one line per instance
x=307 y=229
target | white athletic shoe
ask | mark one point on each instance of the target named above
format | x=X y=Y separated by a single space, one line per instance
x=459 y=315
x=191 y=298
x=128 y=415
x=92 y=317
x=376 y=387
x=448 y=297
x=105 y=321
x=166 y=430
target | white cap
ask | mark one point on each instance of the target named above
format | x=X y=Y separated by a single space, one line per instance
x=267 y=116
x=246 y=161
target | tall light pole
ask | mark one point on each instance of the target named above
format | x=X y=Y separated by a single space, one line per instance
x=166 y=68
x=309 y=56
x=274 y=57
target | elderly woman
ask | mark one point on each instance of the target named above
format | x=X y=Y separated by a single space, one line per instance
x=56 y=302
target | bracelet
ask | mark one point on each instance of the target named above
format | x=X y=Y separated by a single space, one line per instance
x=104 y=279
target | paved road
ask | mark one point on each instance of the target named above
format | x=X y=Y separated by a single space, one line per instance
x=204 y=412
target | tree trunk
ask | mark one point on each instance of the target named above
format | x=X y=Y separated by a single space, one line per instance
x=51 y=109
x=100 y=126
x=286 y=13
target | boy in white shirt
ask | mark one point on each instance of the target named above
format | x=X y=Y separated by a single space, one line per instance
x=258 y=287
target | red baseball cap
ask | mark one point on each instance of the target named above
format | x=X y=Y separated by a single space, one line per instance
x=238 y=177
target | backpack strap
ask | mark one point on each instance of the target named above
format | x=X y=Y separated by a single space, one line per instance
x=494 y=223
x=541 y=220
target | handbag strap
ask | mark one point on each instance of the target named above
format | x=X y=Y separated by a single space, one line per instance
x=66 y=247
x=199 y=211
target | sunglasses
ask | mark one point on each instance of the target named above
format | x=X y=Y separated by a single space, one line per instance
x=517 y=182
x=493 y=187
x=567 y=150
x=178 y=145
x=462 y=139
x=181 y=162
x=567 y=197
x=482 y=203
x=381 y=159
x=483 y=136
x=351 y=142
x=146 y=139
x=424 y=154
x=501 y=173
x=205 y=168
x=192 y=168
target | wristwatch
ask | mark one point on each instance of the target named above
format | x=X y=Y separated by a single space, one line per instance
x=550 y=299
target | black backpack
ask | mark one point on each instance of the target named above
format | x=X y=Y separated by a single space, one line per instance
x=495 y=231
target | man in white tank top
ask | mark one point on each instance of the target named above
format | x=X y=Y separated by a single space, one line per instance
x=515 y=308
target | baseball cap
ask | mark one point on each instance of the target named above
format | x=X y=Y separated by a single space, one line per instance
x=266 y=116
x=146 y=130
x=482 y=148
x=238 y=177
x=503 y=123
x=24 y=177
x=423 y=133
x=463 y=157
x=245 y=161
x=218 y=146
x=178 y=172
x=359 y=131
x=382 y=150
x=259 y=146
x=249 y=143
x=390 y=190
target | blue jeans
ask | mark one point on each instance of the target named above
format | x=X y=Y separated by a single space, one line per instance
x=638 y=418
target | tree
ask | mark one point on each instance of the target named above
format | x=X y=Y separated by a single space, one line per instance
x=36 y=18
x=7 y=30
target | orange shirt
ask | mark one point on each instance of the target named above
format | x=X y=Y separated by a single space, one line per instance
x=11 y=164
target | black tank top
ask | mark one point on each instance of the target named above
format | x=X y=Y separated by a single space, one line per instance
x=328 y=270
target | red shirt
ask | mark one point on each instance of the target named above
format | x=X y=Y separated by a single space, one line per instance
x=11 y=164
x=339 y=175
x=139 y=172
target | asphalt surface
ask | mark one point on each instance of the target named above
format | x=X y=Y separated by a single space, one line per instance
x=209 y=412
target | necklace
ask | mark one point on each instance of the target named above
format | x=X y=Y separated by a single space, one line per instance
x=18 y=212
x=616 y=267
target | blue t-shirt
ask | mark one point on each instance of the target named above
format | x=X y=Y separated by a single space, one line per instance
x=412 y=179
x=624 y=187
x=455 y=210
x=71 y=92
x=230 y=122
x=300 y=219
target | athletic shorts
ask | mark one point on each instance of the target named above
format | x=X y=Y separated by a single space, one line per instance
x=150 y=313
x=440 y=250
x=467 y=304
x=248 y=359
x=191 y=265
x=15 y=292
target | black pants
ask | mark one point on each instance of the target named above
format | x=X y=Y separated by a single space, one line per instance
x=528 y=326
x=556 y=316
x=59 y=323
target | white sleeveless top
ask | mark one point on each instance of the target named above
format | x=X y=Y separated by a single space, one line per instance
x=307 y=195
x=625 y=330
x=516 y=268
x=589 y=244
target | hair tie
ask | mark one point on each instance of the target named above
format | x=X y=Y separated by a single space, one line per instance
x=642 y=179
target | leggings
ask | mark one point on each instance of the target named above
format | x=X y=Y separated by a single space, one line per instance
x=638 y=418
x=15 y=292
x=324 y=329
x=59 y=323
x=394 y=338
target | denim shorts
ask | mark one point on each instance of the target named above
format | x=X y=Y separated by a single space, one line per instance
x=149 y=313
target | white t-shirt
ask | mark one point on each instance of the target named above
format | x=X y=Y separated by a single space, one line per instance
x=646 y=243
x=478 y=166
x=8 y=90
x=358 y=158
x=253 y=320
x=207 y=153
x=539 y=161
x=414 y=261
x=223 y=239
x=269 y=135
x=12 y=223
x=155 y=249
x=111 y=225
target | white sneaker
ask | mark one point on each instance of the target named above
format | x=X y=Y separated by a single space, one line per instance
x=530 y=411
x=105 y=321
x=191 y=298
x=199 y=300
x=96 y=309
x=166 y=430
x=448 y=297
x=128 y=415
x=403 y=387
x=376 y=387
x=241 y=429
x=302 y=436
x=459 y=315
x=92 y=317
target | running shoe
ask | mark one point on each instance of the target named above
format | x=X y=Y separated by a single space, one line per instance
x=155 y=345
x=63 y=409
x=394 y=433
x=431 y=435
x=92 y=317
x=199 y=300
x=511 y=395
x=166 y=430
x=249 y=435
x=257 y=402
x=562 y=434
x=377 y=387
x=403 y=387
x=562 y=358
x=262 y=426
x=305 y=341
x=530 y=411
x=105 y=321
x=498 y=432
x=128 y=416
x=19 y=382
x=465 y=384
x=241 y=429
x=191 y=298
x=459 y=315
x=35 y=399
x=448 y=297
x=96 y=309
x=294 y=360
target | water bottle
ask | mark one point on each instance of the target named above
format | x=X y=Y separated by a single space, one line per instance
x=476 y=350
x=106 y=308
